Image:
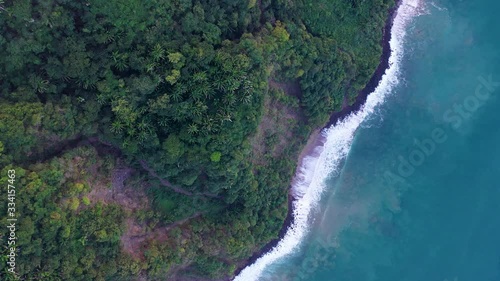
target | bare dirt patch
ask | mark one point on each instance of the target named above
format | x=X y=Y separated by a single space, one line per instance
x=115 y=191
x=291 y=88
x=275 y=129
x=114 y=188
x=117 y=188
x=137 y=236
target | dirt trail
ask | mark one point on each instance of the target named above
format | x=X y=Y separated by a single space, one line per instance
x=175 y=188
x=165 y=182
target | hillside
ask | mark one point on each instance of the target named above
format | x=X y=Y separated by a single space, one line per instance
x=157 y=139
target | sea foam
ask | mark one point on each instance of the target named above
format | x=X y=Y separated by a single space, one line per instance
x=309 y=182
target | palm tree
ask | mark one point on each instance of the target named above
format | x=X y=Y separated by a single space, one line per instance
x=120 y=60
x=117 y=127
x=144 y=126
x=107 y=37
x=196 y=109
x=101 y=99
x=39 y=84
x=246 y=99
x=157 y=52
x=142 y=137
x=125 y=143
x=85 y=82
x=210 y=126
x=192 y=129
x=220 y=57
x=229 y=99
x=219 y=83
x=224 y=117
x=179 y=90
x=200 y=76
x=141 y=110
x=207 y=90
x=163 y=122
x=231 y=84
x=150 y=67
x=197 y=93
x=247 y=86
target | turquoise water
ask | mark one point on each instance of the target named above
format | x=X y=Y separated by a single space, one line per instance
x=417 y=198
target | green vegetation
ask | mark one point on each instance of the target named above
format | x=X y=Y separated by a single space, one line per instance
x=58 y=238
x=207 y=102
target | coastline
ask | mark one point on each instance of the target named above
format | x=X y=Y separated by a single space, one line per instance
x=316 y=139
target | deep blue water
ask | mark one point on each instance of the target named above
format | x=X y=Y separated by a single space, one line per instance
x=417 y=198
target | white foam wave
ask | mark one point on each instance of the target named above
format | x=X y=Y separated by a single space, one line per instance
x=309 y=183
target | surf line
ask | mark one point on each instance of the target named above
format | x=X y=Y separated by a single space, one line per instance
x=325 y=159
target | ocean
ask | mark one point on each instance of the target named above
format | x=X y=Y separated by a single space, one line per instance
x=405 y=189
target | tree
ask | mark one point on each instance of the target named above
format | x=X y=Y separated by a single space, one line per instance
x=174 y=148
x=215 y=156
x=280 y=32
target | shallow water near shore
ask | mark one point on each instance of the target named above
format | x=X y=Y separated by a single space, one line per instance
x=417 y=197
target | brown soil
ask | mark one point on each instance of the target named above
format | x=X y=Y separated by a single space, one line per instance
x=136 y=237
x=117 y=192
x=277 y=121
x=290 y=88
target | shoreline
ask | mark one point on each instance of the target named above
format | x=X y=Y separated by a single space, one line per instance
x=316 y=140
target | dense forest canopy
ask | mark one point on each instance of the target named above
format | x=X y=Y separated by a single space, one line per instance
x=207 y=102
